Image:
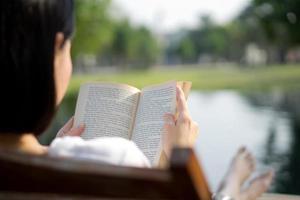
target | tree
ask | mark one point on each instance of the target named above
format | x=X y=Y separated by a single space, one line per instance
x=281 y=22
x=134 y=46
x=208 y=38
x=114 y=42
x=94 y=26
x=143 y=48
x=187 y=50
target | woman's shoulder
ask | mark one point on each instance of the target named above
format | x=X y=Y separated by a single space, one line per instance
x=112 y=150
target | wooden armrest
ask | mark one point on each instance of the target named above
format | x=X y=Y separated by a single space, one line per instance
x=27 y=174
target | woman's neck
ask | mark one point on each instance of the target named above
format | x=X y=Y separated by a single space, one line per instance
x=26 y=143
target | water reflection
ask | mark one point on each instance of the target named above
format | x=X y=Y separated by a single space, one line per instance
x=288 y=173
x=268 y=124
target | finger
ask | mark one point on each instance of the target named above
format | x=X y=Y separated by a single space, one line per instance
x=168 y=128
x=184 y=117
x=76 y=131
x=169 y=119
x=67 y=127
x=182 y=105
x=193 y=137
x=196 y=128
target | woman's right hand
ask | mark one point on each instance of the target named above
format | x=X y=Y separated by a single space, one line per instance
x=180 y=131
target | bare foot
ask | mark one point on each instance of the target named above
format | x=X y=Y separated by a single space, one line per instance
x=257 y=186
x=240 y=170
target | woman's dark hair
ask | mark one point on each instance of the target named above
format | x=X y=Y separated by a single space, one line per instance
x=28 y=30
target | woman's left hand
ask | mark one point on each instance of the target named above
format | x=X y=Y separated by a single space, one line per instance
x=69 y=130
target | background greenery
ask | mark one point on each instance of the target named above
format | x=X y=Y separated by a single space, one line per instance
x=112 y=40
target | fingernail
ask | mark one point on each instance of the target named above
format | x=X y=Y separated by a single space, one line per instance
x=82 y=125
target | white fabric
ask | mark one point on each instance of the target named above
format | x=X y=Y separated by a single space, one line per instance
x=111 y=150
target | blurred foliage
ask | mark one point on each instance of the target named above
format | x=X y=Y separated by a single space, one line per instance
x=219 y=42
x=281 y=23
x=273 y=26
x=280 y=19
x=113 y=41
x=93 y=26
x=132 y=46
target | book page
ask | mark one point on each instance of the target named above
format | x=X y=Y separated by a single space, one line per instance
x=154 y=102
x=106 y=110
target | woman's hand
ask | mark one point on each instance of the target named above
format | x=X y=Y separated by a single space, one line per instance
x=69 y=130
x=179 y=130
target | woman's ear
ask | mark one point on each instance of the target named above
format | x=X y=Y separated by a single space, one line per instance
x=59 y=41
x=62 y=65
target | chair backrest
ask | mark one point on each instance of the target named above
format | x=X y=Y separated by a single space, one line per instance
x=29 y=175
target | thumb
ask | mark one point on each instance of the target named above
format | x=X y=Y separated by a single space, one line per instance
x=76 y=131
x=66 y=128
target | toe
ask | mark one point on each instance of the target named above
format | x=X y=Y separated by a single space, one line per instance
x=242 y=149
x=251 y=161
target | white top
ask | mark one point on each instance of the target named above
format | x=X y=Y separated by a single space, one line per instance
x=111 y=150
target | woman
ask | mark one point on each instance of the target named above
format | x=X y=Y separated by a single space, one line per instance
x=35 y=42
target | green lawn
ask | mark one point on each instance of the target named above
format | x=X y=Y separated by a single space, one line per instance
x=264 y=78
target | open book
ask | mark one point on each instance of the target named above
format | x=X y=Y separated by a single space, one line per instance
x=119 y=110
